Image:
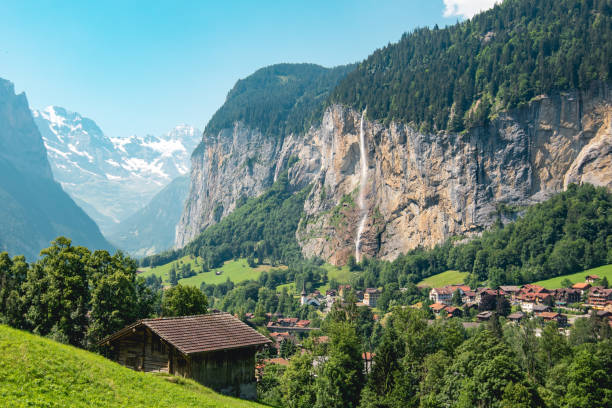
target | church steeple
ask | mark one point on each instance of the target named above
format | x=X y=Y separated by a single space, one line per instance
x=303 y=298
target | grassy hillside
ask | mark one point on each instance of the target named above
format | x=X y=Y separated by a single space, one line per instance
x=444 y=278
x=35 y=371
x=236 y=271
x=555 y=283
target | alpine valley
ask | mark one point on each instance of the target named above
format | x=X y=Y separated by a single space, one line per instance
x=112 y=179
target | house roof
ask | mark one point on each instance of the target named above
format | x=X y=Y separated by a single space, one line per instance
x=196 y=334
x=548 y=315
x=581 y=285
x=595 y=277
x=437 y=306
x=516 y=315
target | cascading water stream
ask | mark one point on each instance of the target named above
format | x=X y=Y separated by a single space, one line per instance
x=363 y=211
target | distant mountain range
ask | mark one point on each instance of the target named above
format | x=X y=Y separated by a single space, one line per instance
x=34 y=209
x=152 y=228
x=111 y=178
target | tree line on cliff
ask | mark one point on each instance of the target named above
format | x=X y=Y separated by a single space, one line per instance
x=457 y=77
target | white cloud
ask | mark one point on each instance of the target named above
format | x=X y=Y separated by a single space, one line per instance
x=467 y=8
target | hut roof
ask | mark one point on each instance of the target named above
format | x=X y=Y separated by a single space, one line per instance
x=196 y=334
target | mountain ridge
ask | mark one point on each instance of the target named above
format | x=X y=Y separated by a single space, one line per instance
x=115 y=177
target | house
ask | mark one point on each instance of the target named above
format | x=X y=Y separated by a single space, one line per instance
x=370 y=297
x=566 y=296
x=279 y=337
x=599 y=296
x=453 y=311
x=592 y=278
x=583 y=287
x=331 y=292
x=216 y=350
x=540 y=308
x=529 y=300
x=483 y=293
x=437 y=307
x=553 y=316
x=510 y=290
x=441 y=295
x=303 y=323
x=469 y=296
x=516 y=317
x=484 y=316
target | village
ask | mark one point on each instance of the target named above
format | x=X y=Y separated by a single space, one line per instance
x=517 y=303
x=473 y=307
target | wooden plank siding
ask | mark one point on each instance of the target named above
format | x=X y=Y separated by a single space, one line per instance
x=150 y=355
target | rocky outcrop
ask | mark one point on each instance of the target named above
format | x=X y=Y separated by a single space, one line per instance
x=421 y=188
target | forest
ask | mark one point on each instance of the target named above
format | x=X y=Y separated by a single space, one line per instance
x=459 y=77
x=278 y=100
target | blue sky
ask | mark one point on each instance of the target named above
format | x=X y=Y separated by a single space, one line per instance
x=139 y=67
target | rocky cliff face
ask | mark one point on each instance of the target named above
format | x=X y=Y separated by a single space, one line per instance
x=34 y=209
x=421 y=188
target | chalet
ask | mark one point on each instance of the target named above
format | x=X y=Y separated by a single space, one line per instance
x=583 y=287
x=516 y=317
x=484 y=316
x=566 y=296
x=510 y=290
x=540 y=308
x=599 y=296
x=331 y=292
x=370 y=296
x=552 y=316
x=216 y=350
x=530 y=300
x=469 y=297
x=591 y=278
x=437 y=307
x=453 y=311
x=482 y=293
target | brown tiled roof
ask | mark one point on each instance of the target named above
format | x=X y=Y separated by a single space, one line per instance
x=196 y=334
x=437 y=306
x=581 y=285
x=548 y=315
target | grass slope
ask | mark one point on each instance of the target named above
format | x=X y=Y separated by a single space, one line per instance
x=444 y=278
x=555 y=283
x=35 y=371
x=236 y=271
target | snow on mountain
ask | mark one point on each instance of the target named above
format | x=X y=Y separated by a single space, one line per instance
x=114 y=177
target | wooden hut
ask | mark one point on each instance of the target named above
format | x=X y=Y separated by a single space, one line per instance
x=216 y=349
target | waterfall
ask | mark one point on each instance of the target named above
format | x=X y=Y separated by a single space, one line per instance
x=363 y=211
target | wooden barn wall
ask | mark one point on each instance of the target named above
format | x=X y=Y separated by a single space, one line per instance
x=142 y=347
x=223 y=368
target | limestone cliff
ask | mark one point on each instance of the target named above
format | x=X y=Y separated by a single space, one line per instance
x=421 y=188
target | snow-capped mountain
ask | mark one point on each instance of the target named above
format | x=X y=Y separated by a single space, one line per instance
x=111 y=178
